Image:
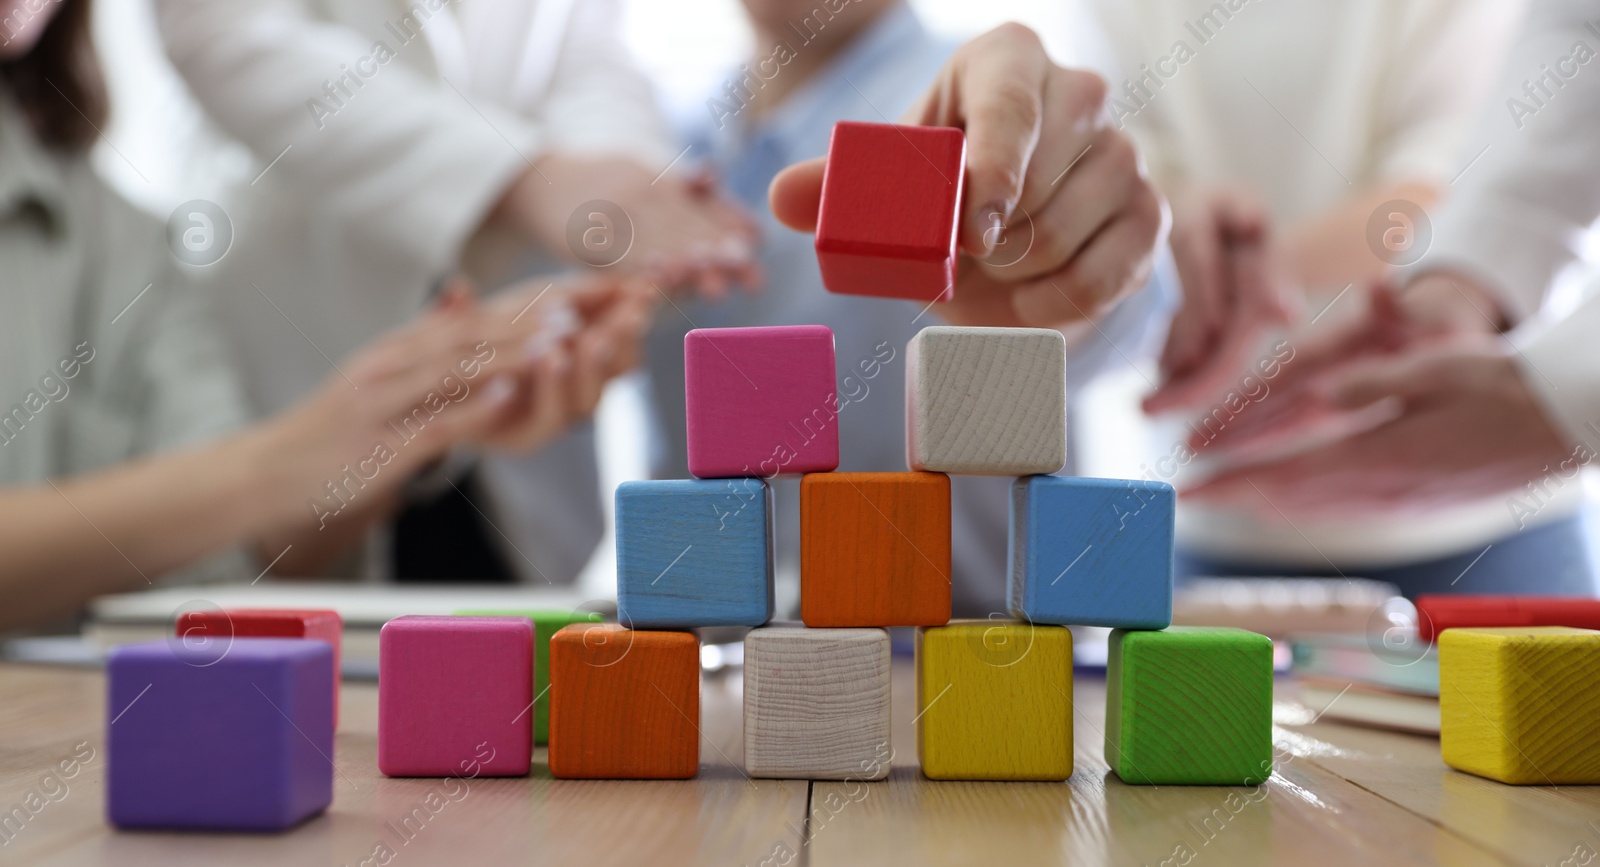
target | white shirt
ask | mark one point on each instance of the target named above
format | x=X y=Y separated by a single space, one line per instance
x=381 y=138
x=1308 y=103
x=389 y=138
x=1519 y=217
x=107 y=351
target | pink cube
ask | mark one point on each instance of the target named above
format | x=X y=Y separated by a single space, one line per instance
x=761 y=401
x=455 y=696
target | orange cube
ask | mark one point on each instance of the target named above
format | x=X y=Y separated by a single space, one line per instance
x=624 y=704
x=875 y=549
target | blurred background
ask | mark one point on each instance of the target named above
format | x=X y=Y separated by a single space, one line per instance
x=1333 y=120
x=159 y=128
x=687 y=50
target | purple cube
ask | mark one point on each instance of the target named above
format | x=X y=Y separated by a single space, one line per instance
x=236 y=739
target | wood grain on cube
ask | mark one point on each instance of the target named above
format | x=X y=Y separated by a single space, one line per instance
x=456 y=694
x=1095 y=552
x=694 y=552
x=624 y=704
x=888 y=216
x=874 y=549
x=986 y=401
x=760 y=401
x=816 y=703
x=1189 y=705
x=1521 y=704
x=994 y=701
x=546 y=622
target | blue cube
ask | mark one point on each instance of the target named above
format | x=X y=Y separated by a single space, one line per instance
x=233 y=737
x=1091 y=552
x=694 y=552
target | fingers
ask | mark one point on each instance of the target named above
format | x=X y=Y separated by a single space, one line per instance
x=1319 y=482
x=994 y=88
x=1233 y=293
x=1114 y=262
x=1074 y=138
x=470 y=418
x=795 y=194
x=1427 y=373
x=1228 y=346
x=1199 y=248
x=551 y=402
x=1083 y=204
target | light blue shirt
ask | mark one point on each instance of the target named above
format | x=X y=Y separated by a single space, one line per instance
x=875 y=79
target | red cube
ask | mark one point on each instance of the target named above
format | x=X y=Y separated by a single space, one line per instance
x=1437 y=612
x=889 y=217
x=223 y=625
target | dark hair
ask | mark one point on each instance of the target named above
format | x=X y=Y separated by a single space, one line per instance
x=58 y=84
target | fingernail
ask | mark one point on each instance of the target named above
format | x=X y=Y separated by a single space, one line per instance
x=736 y=250
x=993 y=217
x=537 y=346
x=499 y=389
x=560 y=320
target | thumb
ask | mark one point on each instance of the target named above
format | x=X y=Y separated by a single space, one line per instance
x=796 y=195
x=1409 y=377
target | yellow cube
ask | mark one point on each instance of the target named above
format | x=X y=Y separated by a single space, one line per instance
x=994 y=701
x=1521 y=704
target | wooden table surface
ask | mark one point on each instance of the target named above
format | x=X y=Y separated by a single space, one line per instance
x=1341 y=795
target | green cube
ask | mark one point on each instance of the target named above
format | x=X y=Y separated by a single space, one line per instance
x=545 y=624
x=1189 y=704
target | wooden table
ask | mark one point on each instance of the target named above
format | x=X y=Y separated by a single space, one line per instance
x=1341 y=795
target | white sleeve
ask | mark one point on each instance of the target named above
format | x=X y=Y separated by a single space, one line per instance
x=1559 y=360
x=1437 y=73
x=598 y=100
x=404 y=159
x=1517 y=217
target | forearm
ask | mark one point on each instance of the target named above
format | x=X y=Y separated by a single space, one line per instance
x=1330 y=249
x=68 y=540
x=309 y=548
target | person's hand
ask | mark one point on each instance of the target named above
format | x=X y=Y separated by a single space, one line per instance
x=1042 y=156
x=589 y=332
x=1376 y=322
x=1465 y=425
x=679 y=231
x=1234 y=291
x=452 y=375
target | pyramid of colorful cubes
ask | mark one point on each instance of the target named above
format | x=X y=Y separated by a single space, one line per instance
x=471 y=694
x=994 y=698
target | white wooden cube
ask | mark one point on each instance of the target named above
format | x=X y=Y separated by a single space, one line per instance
x=986 y=401
x=816 y=703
